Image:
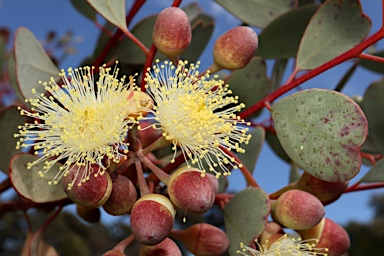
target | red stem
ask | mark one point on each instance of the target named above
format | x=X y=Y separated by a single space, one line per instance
x=371 y=57
x=147 y=64
x=352 y=53
x=358 y=187
x=247 y=175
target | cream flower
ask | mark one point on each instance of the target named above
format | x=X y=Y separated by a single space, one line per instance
x=284 y=246
x=197 y=114
x=83 y=123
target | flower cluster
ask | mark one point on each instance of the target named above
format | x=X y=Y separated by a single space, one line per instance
x=196 y=114
x=284 y=246
x=85 y=123
x=82 y=121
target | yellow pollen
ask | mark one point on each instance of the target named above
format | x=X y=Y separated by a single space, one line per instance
x=197 y=114
x=84 y=121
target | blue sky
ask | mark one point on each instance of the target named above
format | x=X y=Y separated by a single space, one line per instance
x=271 y=173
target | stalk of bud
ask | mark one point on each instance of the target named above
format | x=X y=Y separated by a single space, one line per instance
x=114 y=253
x=330 y=236
x=152 y=219
x=172 y=32
x=91 y=193
x=122 y=198
x=189 y=190
x=235 y=48
x=203 y=239
x=166 y=248
x=297 y=209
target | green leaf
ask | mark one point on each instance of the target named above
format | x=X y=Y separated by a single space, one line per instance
x=279 y=67
x=294 y=173
x=252 y=149
x=371 y=104
x=245 y=217
x=202 y=30
x=84 y=8
x=128 y=52
x=293 y=23
x=374 y=65
x=193 y=11
x=275 y=145
x=334 y=29
x=10 y=119
x=375 y=174
x=32 y=63
x=29 y=184
x=258 y=13
x=250 y=83
x=111 y=10
x=322 y=131
x=12 y=77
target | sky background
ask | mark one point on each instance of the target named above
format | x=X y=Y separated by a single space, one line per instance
x=40 y=16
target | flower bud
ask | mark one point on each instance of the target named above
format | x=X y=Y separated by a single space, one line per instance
x=166 y=248
x=113 y=253
x=298 y=210
x=91 y=193
x=203 y=239
x=235 y=48
x=141 y=103
x=326 y=192
x=122 y=198
x=89 y=215
x=172 y=32
x=152 y=219
x=272 y=232
x=330 y=236
x=190 y=191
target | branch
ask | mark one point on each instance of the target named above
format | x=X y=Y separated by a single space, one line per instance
x=352 y=53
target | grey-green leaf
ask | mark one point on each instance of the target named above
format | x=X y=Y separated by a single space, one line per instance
x=10 y=119
x=375 y=174
x=84 y=8
x=258 y=13
x=372 y=102
x=250 y=83
x=253 y=148
x=29 y=184
x=322 y=131
x=32 y=63
x=11 y=66
x=275 y=145
x=275 y=44
x=245 y=217
x=334 y=29
x=111 y=10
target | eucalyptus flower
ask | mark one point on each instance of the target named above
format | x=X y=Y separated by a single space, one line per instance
x=82 y=123
x=197 y=114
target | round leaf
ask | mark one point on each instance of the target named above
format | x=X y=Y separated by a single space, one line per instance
x=322 y=131
x=245 y=217
x=111 y=10
x=29 y=184
x=250 y=83
x=372 y=102
x=275 y=145
x=32 y=63
x=10 y=119
x=293 y=23
x=257 y=13
x=334 y=29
